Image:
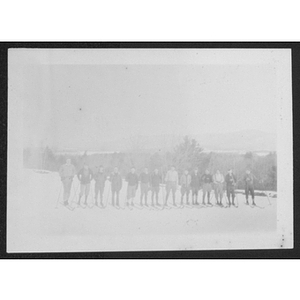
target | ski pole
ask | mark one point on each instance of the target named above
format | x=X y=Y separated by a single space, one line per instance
x=107 y=199
x=91 y=190
x=74 y=193
x=235 y=195
x=222 y=196
x=226 y=197
x=162 y=188
x=266 y=193
x=268 y=198
x=75 y=190
x=213 y=195
x=58 y=195
x=237 y=199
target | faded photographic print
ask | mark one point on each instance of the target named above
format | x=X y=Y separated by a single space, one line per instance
x=149 y=149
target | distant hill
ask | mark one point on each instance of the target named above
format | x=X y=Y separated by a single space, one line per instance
x=245 y=140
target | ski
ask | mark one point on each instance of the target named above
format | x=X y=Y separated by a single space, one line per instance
x=217 y=205
x=150 y=207
x=126 y=206
x=158 y=207
x=166 y=207
x=100 y=206
x=114 y=206
x=121 y=207
x=175 y=206
x=198 y=206
x=224 y=206
x=201 y=206
x=76 y=204
x=136 y=206
x=147 y=207
x=256 y=206
x=129 y=206
x=188 y=206
x=153 y=207
x=69 y=207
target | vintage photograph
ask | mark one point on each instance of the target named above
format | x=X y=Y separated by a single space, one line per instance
x=149 y=149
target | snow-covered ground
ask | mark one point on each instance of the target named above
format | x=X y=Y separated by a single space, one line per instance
x=35 y=224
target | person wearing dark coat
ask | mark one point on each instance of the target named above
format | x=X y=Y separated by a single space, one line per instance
x=230 y=181
x=249 y=186
x=155 y=181
x=133 y=181
x=116 y=185
x=145 y=185
x=85 y=176
x=195 y=186
x=207 y=181
x=185 y=182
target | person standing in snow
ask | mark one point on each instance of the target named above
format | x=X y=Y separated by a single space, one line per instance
x=207 y=181
x=249 y=186
x=133 y=181
x=145 y=185
x=185 y=182
x=171 y=184
x=116 y=185
x=85 y=176
x=67 y=173
x=230 y=180
x=195 y=186
x=100 y=178
x=155 y=181
x=218 y=179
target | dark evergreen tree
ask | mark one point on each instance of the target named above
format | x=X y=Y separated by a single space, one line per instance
x=187 y=154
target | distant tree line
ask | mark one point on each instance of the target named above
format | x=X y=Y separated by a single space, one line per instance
x=186 y=155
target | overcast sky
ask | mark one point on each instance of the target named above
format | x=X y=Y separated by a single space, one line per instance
x=78 y=105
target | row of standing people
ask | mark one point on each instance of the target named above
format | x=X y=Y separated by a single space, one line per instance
x=190 y=183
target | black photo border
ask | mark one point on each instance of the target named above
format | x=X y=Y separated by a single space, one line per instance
x=188 y=254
